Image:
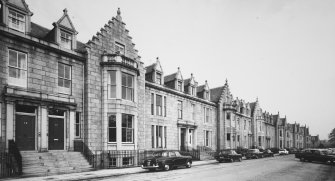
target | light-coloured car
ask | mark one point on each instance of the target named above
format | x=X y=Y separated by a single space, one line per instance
x=283 y=152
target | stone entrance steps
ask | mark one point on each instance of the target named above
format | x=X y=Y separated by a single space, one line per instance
x=52 y=163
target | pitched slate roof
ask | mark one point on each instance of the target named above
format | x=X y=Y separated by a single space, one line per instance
x=170 y=77
x=41 y=32
x=187 y=81
x=252 y=107
x=38 y=31
x=150 y=68
x=200 y=88
x=216 y=93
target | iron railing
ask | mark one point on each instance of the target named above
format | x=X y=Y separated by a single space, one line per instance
x=80 y=146
x=11 y=161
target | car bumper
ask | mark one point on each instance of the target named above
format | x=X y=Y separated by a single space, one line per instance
x=149 y=167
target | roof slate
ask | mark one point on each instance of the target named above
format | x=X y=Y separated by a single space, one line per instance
x=216 y=93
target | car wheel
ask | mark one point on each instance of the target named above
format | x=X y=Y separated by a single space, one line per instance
x=239 y=159
x=166 y=167
x=302 y=159
x=256 y=157
x=220 y=161
x=188 y=164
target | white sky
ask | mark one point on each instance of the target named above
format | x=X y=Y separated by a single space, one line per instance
x=281 y=51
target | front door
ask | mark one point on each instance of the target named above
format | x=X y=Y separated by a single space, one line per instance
x=56 y=133
x=182 y=138
x=25 y=132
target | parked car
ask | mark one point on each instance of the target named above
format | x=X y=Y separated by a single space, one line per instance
x=320 y=155
x=254 y=153
x=228 y=155
x=268 y=153
x=293 y=151
x=283 y=152
x=166 y=160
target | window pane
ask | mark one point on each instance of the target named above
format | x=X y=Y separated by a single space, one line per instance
x=13 y=72
x=129 y=94
x=130 y=121
x=124 y=80
x=13 y=58
x=112 y=134
x=60 y=82
x=124 y=93
x=67 y=83
x=23 y=74
x=112 y=77
x=67 y=71
x=112 y=121
x=112 y=91
x=124 y=135
x=124 y=120
x=60 y=70
x=22 y=61
x=158 y=100
x=129 y=81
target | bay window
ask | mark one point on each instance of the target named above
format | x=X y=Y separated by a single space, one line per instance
x=127 y=86
x=111 y=84
x=112 y=128
x=127 y=128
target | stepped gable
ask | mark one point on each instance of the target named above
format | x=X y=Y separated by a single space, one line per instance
x=112 y=33
x=216 y=94
x=222 y=94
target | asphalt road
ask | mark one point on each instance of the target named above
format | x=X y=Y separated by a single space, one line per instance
x=281 y=168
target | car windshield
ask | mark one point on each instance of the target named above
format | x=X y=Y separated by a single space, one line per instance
x=159 y=154
x=225 y=152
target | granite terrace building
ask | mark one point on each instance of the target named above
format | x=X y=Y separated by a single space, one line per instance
x=234 y=122
x=178 y=112
x=57 y=92
x=42 y=81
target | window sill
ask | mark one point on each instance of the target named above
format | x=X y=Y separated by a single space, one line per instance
x=111 y=143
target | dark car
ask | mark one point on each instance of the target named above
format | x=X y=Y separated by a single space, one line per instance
x=268 y=153
x=166 y=160
x=319 y=155
x=228 y=155
x=293 y=151
x=254 y=153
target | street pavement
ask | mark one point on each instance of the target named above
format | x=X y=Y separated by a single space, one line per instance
x=278 y=168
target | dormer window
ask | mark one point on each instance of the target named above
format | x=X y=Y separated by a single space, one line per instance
x=158 y=78
x=179 y=85
x=207 y=95
x=119 y=48
x=16 y=21
x=192 y=90
x=65 y=39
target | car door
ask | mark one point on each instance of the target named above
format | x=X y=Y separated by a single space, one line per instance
x=180 y=160
x=173 y=158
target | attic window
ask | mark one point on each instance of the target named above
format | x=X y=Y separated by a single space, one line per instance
x=158 y=78
x=119 y=48
x=65 y=39
x=179 y=85
x=192 y=90
x=207 y=95
x=16 y=21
